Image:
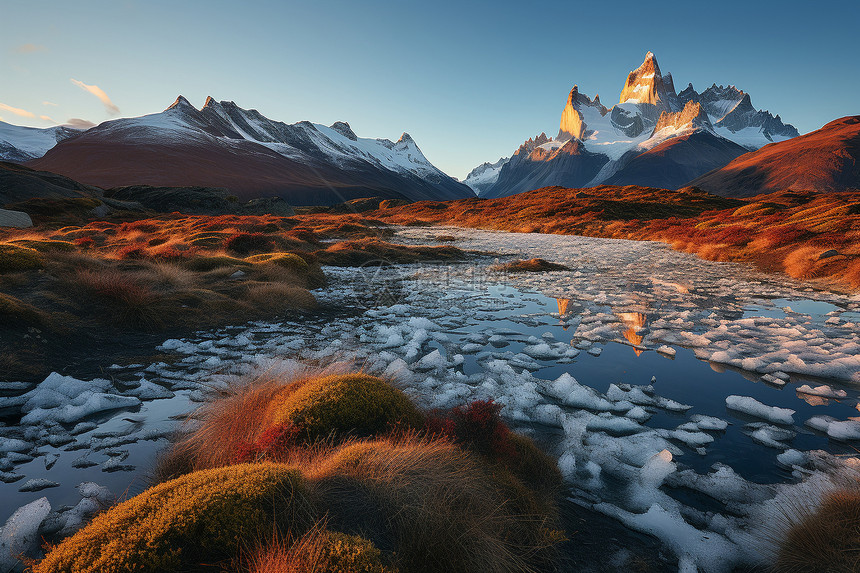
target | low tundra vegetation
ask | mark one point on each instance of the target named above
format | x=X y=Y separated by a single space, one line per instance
x=106 y=279
x=807 y=235
x=331 y=473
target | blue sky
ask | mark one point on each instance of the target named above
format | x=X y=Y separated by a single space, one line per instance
x=469 y=81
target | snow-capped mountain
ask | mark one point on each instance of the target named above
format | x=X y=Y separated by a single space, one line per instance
x=653 y=136
x=21 y=144
x=484 y=175
x=223 y=145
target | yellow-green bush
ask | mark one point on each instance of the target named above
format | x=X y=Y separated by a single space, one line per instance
x=14 y=259
x=320 y=551
x=203 y=517
x=287 y=260
x=341 y=405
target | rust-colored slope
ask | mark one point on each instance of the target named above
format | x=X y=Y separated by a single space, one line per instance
x=825 y=160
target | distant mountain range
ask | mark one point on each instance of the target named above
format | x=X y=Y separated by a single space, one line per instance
x=654 y=136
x=223 y=145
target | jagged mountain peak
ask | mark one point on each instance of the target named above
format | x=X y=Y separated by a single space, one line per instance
x=573 y=124
x=210 y=102
x=345 y=130
x=684 y=133
x=646 y=85
x=181 y=103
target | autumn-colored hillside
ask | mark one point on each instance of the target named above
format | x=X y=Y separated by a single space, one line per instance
x=808 y=235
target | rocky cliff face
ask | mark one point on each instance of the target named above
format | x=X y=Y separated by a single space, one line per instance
x=693 y=116
x=572 y=124
x=646 y=85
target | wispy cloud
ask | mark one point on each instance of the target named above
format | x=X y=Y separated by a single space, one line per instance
x=17 y=110
x=99 y=93
x=50 y=103
x=30 y=48
x=46 y=118
x=79 y=123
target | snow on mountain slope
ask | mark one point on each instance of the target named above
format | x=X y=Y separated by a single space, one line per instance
x=649 y=114
x=224 y=145
x=19 y=143
x=484 y=175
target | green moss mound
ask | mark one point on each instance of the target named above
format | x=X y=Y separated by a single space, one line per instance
x=351 y=554
x=287 y=260
x=13 y=259
x=343 y=405
x=203 y=517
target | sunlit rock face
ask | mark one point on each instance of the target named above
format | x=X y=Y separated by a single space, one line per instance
x=646 y=85
x=691 y=117
x=573 y=124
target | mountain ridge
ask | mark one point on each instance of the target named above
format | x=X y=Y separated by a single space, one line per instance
x=649 y=112
x=224 y=145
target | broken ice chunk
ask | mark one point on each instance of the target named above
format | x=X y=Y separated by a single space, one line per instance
x=753 y=407
x=37 y=484
x=20 y=534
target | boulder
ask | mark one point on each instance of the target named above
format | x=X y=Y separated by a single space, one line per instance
x=17 y=219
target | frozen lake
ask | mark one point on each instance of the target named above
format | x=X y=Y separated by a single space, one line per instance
x=684 y=398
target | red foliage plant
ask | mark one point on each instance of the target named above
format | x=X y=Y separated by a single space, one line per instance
x=273 y=444
x=478 y=426
x=85 y=243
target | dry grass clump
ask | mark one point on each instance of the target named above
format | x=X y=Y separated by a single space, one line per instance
x=13 y=310
x=437 y=506
x=391 y=498
x=131 y=300
x=278 y=297
x=826 y=540
x=535 y=265
x=319 y=407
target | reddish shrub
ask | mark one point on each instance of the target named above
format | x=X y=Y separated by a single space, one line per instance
x=274 y=444
x=85 y=243
x=171 y=253
x=478 y=426
x=133 y=251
